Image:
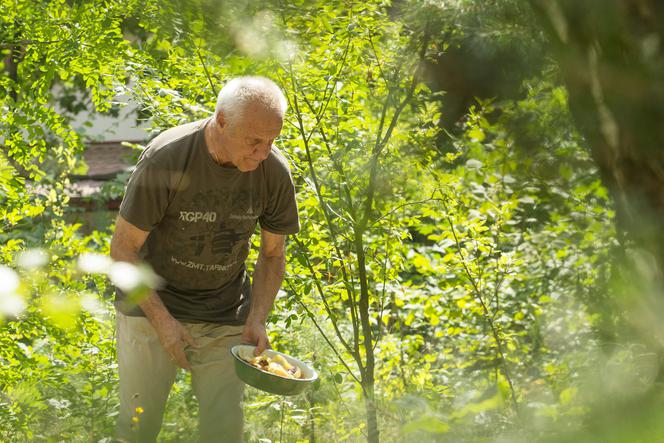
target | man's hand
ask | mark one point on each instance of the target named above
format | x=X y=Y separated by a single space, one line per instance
x=254 y=333
x=173 y=337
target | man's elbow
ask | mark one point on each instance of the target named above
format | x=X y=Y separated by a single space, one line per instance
x=114 y=249
x=275 y=259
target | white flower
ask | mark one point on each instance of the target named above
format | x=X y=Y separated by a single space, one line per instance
x=91 y=304
x=125 y=276
x=9 y=280
x=94 y=263
x=32 y=258
x=11 y=305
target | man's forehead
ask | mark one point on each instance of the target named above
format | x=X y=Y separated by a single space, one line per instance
x=262 y=121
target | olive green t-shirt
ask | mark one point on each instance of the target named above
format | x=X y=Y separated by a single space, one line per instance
x=201 y=217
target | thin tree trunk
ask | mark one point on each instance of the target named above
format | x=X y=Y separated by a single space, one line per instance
x=11 y=62
x=372 y=415
x=11 y=65
x=370 y=361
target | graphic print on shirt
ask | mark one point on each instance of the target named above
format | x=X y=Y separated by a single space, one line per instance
x=242 y=207
x=214 y=230
x=221 y=242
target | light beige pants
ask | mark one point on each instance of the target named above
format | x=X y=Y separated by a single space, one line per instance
x=147 y=374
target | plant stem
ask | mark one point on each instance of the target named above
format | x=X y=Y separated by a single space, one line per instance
x=487 y=316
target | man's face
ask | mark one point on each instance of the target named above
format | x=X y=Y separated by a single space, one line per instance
x=248 y=140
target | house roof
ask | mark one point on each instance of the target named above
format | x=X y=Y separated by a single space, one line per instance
x=105 y=160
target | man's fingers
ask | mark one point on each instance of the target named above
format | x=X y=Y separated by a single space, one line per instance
x=186 y=336
x=253 y=334
x=260 y=347
x=246 y=337
x=180 y=358
x=263 y=344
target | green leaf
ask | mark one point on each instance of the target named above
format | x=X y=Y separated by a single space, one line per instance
x=429 y=424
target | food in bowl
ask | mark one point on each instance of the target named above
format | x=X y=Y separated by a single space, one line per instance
x=276 y=365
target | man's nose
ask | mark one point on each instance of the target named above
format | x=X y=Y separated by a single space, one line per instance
x=263 y=151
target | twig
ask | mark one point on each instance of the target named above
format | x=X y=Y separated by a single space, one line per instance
x=281 y=425
x=324 y=208
x=382 y=295
x=207 y=73
x=403 y=206
x=382 y=139
x=487 y=315
x=323 y=298
x=327 y=340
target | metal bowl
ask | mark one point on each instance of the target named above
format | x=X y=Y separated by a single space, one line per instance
x=267 y=381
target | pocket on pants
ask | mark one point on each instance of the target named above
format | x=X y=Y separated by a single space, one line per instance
x=134 y=329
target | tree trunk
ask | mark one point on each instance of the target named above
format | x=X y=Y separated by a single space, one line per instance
x=610 y=55
x=612 y=62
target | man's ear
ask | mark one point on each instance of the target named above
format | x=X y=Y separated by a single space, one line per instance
x=221 y=119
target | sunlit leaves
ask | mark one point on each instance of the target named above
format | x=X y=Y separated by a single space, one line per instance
x=429 y=424
x=61 y=309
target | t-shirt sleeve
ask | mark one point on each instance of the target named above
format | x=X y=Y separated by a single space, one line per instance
x=280 y=215
x=146 y=196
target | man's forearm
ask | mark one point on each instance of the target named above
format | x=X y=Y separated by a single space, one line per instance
x=268 y=275
x=152 y=305
x=126 y=242
x=154 y=309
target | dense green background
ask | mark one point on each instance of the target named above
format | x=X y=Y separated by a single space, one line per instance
x=459 y=275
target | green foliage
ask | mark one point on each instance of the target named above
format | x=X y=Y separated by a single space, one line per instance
x=57 y=376
x=521 y=259
x=478 y=50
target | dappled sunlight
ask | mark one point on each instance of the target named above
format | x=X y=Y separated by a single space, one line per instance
x=479 y=193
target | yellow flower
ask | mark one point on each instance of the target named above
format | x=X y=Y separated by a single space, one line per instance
x=134 y=419
x=139 y=410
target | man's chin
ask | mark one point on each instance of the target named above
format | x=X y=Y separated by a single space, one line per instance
x=248 y=167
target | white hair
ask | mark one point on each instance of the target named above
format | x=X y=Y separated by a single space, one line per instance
x=240 y=92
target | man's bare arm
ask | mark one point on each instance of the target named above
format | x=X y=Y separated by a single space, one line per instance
x=126 y=243
x=268 y=275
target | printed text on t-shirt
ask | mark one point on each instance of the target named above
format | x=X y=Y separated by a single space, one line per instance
x=196 y=216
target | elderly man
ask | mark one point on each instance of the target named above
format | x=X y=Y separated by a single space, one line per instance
x=190 y=209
